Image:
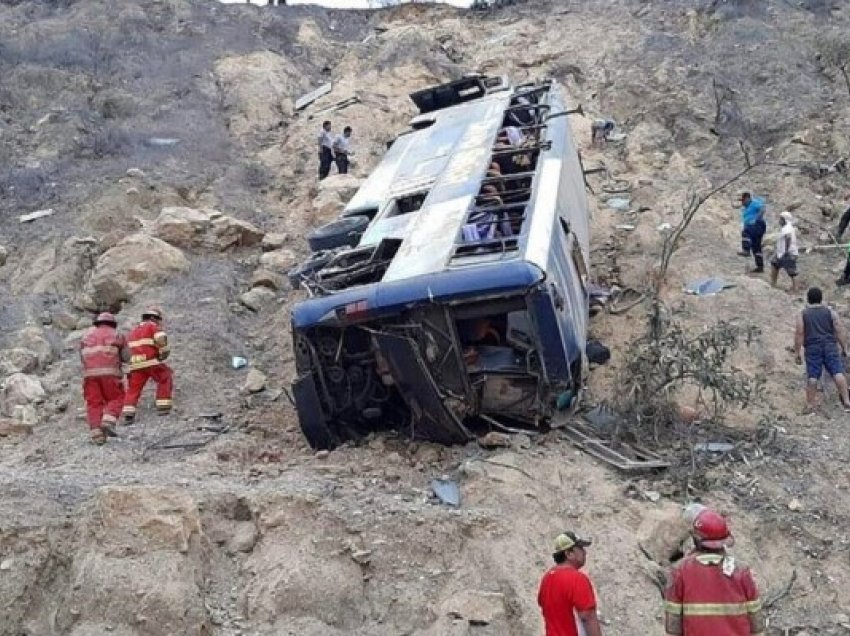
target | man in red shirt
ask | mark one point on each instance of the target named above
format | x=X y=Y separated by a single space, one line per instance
x=709 y=594
x=566 y=595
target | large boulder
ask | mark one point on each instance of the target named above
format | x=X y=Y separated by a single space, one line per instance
x=18 y=360
x=194 y=228
x=34 y=341
x=137 y=261
x=230 y=232
x=57 y=268
x=183 y=227
x=20 y=389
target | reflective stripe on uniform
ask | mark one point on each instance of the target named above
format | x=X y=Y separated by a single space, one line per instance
x=144 y=342
x=87 y=351
x=129 y=410
x=109 y=419
x=718 y=609
x=143 y=364
x=163 y=404
x=101 y=371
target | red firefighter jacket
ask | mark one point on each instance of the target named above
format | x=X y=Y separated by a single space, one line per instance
x=102 y=350
x=709 y=595
x=148 y=345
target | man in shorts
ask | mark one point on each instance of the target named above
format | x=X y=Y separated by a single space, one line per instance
x=819 y=331
x=785 y=256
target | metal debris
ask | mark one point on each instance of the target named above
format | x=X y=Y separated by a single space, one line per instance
x=707 y=286
x=305 y=100
x=714 y=447
x=38 y=214
x=447 y=491
x=625 y=457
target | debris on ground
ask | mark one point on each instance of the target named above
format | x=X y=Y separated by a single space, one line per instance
x=38 y=214
x=597 y=353
x=447 y=491
x=618 y=203
x=707 y=286
x=305 y=100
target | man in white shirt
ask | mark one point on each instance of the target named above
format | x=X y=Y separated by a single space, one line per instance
x=326 y=156
x=787 y=251
x=342 y=150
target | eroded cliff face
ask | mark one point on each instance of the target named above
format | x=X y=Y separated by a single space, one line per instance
x=163 y=137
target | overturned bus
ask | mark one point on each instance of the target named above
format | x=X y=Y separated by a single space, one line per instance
x=451 y=295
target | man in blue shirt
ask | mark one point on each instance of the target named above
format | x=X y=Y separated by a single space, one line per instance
x=752 y=218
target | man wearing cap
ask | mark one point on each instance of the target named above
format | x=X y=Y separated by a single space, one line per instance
x=102 y=350
x=566 y=596
x=709 y=594
x=754 y=227
x=148 y=351
x=785 y=256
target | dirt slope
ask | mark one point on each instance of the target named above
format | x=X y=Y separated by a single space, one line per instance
x=111 y=112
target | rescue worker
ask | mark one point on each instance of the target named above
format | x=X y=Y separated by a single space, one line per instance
x=709 y=593
x=102 y=350
x=148 y=349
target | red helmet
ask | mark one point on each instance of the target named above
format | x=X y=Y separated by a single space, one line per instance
x=152 y=312
x=712 y=531
x=105 y=318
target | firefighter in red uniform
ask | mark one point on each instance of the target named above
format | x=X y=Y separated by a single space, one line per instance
x=148 y=349
x=709 y=594
x=102 y=350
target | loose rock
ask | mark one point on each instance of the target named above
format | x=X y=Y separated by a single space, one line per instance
x=21 y=389
x=266 y=278
x=279 y=260
x=255 y=381
x=273 y=241
x=257 y=298
x=494 y=439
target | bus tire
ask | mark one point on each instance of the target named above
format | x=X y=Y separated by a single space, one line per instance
x=344 y=231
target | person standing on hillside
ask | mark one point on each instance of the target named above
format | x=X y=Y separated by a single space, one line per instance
x=785 y=256
x=148 y=350
x=819 y=331
x=709 y=593
x=754 y=227
x=102 y=350
x=326 y=153
x=566 y=595
x=842 y=225
x=342 y=150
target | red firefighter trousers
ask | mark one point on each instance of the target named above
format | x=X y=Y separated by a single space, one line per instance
x=136 y=380
x=104 y=397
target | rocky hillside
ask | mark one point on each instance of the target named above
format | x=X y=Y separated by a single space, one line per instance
x=160 y=144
